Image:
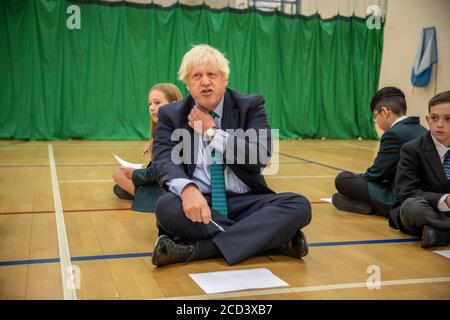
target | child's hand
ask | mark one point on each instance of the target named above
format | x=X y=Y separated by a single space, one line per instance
x=127 y=171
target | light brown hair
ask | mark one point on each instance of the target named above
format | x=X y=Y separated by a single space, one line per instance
x=443 y=97
x=172 y=94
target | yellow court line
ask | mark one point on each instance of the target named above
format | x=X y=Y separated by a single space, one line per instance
x=340 y=286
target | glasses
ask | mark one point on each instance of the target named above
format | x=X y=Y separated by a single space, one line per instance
x=375 y=115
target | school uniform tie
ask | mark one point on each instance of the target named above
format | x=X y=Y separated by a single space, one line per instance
x=218 y=194
x=447 y=165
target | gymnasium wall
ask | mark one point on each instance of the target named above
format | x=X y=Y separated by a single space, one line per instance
x=405 y=20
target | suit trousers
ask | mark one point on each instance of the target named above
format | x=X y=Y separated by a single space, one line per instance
x=353 y=186
x=415 y=213
x=256 y=222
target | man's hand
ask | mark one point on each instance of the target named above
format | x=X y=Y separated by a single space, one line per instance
x=195 y=206
x=206 y=120
x=447 y=201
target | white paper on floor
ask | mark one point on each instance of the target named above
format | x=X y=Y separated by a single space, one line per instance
x=326 y=200
x=445 y=253
x=226 y=281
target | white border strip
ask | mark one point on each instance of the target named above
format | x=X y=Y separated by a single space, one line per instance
x=307 y=289
x=63 y=244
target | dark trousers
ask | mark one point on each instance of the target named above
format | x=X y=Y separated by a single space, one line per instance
x=353 y=186
x=256 y=222
x=415 y=213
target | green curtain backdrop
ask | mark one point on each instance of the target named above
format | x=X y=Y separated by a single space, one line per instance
x=317 y=76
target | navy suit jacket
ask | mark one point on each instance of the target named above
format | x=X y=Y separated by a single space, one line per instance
x=381 y=175
x=420 y=173
x=239 y=112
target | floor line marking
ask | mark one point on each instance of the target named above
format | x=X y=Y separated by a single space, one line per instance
x=63 y=244
x=147 y=254
x=361 y=242
x=359 y=147
x=41 y=165
x=66 y=211
x=313 y=162
x=98 y=210
x=267 y=177
x=338 y=286
x=340 y=146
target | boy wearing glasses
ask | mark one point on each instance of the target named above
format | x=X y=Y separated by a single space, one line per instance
x=373 y=191
x=422 y=184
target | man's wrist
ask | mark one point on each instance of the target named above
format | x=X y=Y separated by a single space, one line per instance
x=210 y=132
x=188 y=188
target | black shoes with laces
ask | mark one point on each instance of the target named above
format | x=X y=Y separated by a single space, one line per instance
x=296 y=247
x=432 y=237
x=168 y=251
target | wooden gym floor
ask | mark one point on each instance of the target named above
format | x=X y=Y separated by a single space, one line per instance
x=110 y=245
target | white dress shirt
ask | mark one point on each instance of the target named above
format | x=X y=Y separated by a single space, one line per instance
x=202 y=173
x=399 y=119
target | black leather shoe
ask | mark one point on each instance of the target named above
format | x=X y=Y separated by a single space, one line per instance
x=168 y=251
x=345 y=203
x=121 y=193
x=296 y=247
x=432 y=237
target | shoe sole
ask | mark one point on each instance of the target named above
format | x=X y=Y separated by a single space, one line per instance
x=306 y=245
x=155 y=249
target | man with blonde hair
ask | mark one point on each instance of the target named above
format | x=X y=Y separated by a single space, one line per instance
x=218 y=204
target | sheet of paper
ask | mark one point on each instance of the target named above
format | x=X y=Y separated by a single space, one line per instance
x=124 y=163
x=226 y=281
x=326 y=200
x=445 y=253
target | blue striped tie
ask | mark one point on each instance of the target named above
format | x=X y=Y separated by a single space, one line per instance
x=218 y=194
x=447 y=165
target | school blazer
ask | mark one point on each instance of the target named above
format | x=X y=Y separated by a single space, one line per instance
x=420 y=173
x=381 y=175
